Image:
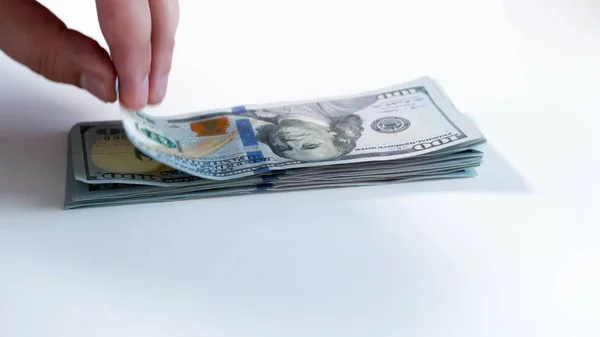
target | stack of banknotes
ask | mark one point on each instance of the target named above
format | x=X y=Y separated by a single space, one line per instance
x=407 y=132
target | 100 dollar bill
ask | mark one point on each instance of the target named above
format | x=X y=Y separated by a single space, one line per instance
x=403 y=121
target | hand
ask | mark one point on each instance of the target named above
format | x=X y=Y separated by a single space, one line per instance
x=140 y=35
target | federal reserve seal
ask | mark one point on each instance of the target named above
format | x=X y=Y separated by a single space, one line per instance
x=390 y=124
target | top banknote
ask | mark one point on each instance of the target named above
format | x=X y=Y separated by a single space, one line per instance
x=403 y=121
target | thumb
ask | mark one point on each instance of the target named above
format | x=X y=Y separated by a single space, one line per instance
x=33 y=36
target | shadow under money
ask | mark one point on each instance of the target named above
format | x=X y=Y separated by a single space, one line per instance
x=495 y=176
x=33 y=170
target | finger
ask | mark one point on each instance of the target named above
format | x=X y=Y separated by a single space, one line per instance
x=165 y=18
x=127 y=27
x=46 y=46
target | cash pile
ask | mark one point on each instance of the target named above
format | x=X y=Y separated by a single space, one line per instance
x=407 y=132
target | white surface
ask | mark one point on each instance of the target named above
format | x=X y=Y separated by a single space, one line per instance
x=513 y=252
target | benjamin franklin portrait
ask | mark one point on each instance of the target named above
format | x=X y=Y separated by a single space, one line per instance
x=314 y=131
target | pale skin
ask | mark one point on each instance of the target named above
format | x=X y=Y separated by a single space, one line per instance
x=140 y=35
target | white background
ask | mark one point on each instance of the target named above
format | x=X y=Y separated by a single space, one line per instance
x=513 y=252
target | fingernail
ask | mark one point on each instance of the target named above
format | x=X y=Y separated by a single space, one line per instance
x=94 y=84
x=161 y=88
x=143 y=92
x=133 y=93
